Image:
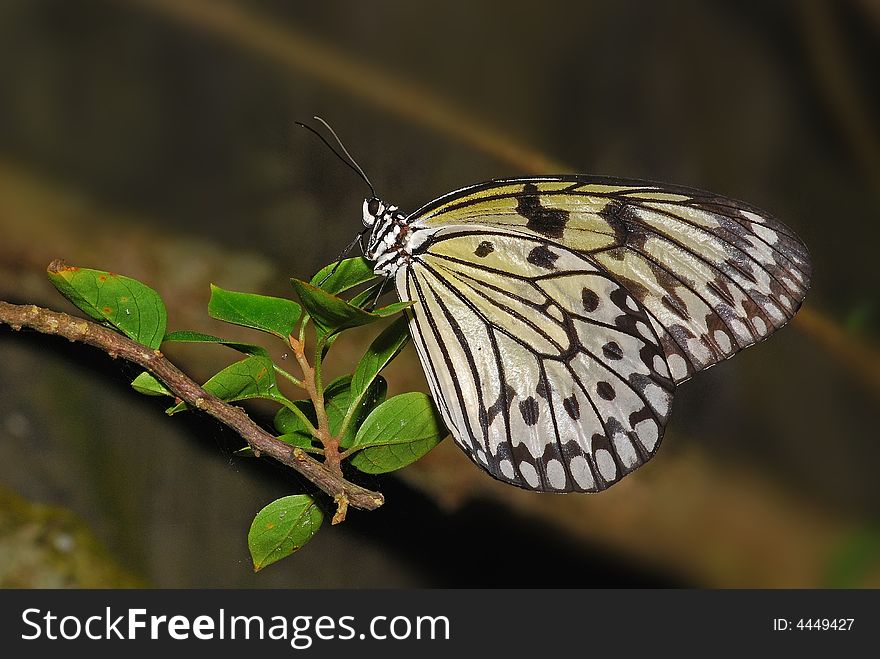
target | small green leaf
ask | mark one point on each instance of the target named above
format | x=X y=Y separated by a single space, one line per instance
x=147 y=384
x=252 y=377
x=275 y=315
x=329 y=312
x=333 y=314
x=398 y=432
x=283 y=527
x=188 y=336
x=131 y=307
x=384 y=348
x=366 y=298
x=349 y=273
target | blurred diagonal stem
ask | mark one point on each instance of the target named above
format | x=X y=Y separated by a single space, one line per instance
x=261 y=442
x=828 y=54
x=290 y=48
x=293 y=49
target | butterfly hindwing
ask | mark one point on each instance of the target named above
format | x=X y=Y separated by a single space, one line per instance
x=548 y=373
x=714 y=275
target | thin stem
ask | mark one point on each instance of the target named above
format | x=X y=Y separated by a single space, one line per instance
x=289 y=404
x=288 y=376
x=349 y=415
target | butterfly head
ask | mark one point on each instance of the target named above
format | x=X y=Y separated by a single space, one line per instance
x=386 y=235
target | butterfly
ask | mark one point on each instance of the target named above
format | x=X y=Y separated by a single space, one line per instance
x=554 y=316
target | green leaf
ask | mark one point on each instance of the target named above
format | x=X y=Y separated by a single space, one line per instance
x=252 y=377
x=339 y=402
x=366 y=296
x=384 y=348
x=188 y=336
x=275 y=315
x=147 y=384
x=131 y=307
x=333 y=314
x=287 y=422
x=398 y=432
x=329 y=312
x=349 y=273
x=283 y=527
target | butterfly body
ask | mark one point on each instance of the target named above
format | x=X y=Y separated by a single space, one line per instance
x=554 y=316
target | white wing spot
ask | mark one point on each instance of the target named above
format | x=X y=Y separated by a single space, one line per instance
x=507 y=468
x=605 y=463
x=775 y=313
x=760 y=325
x=529 y=473
x=647 y=434
x=723 y=340
x=660 y=365
x=642 y=329
x=625 y=450
x=767 y=234
x=698 y=349
x=739 y=328
x=556 y=474
x=580 y=470
x=754 y=217
x=657 y=397
x=677 y=365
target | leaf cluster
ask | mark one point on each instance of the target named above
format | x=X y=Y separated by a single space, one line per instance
x=350 y=421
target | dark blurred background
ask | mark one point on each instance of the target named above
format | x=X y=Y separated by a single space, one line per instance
x=156 y=139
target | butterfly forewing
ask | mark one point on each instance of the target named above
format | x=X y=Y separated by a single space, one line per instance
x=548 y=373
x=713 y=275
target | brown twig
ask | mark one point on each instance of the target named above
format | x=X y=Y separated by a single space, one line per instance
x=322 y=432
x=329 y=481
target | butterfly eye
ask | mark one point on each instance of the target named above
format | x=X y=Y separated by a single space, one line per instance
x=372 y=209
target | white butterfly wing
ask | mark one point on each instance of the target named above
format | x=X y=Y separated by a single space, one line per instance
x=548 y=373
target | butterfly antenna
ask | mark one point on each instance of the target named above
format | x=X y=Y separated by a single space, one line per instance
x=347 y=159
x=357 y=167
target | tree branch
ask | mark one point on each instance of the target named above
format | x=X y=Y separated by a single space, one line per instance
x=116 y=345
